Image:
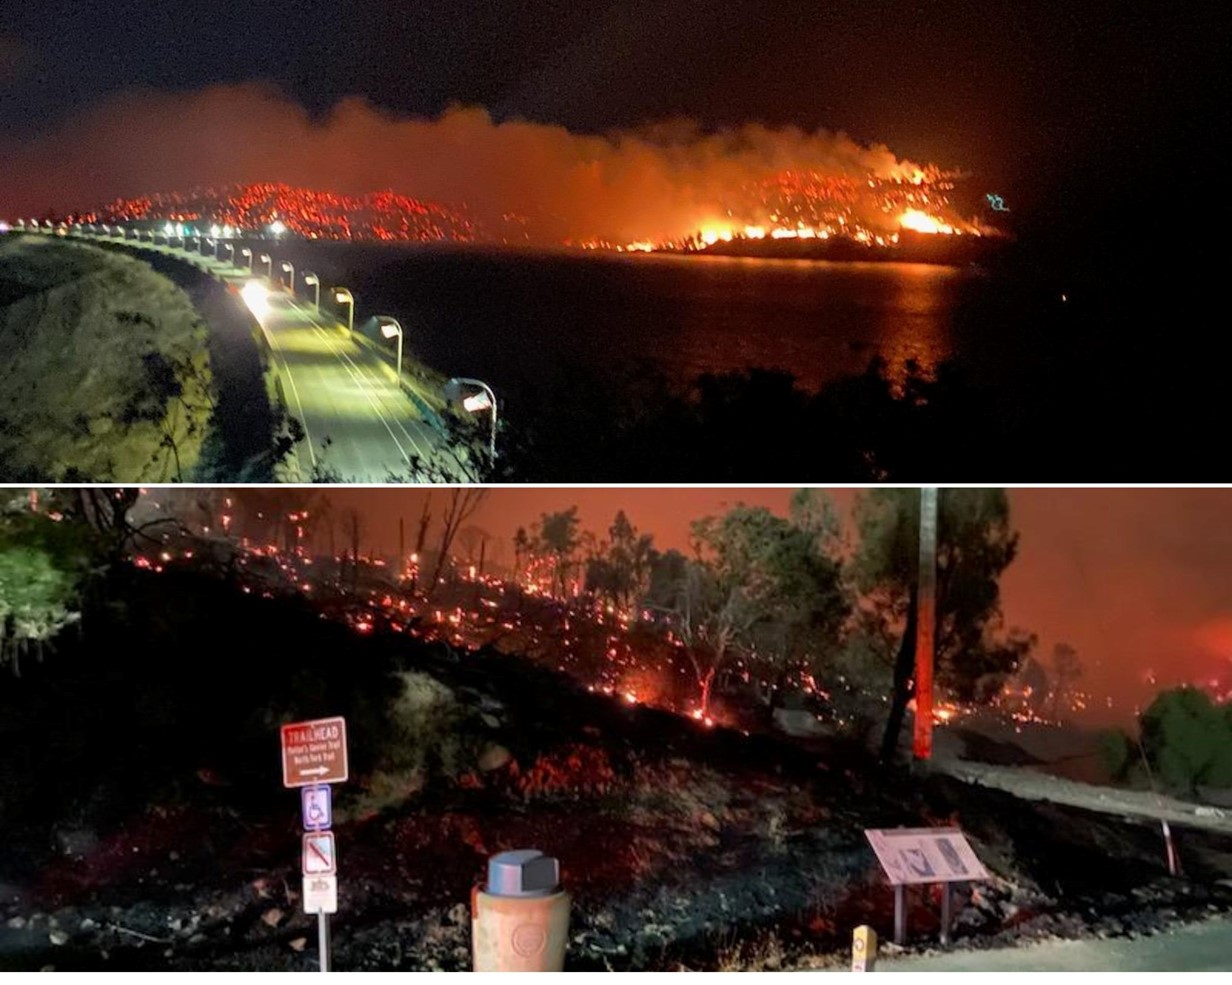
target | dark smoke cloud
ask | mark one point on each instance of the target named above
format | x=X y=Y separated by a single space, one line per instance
x=660 y=181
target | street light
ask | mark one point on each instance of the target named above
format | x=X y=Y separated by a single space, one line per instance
x=343 y=296
x=289 y=266
x=311 y=278
x=269 y=266
x=246 y=252
x=476 y=403
x=392 y=328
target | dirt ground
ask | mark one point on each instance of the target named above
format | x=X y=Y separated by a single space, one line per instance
x=175 y=847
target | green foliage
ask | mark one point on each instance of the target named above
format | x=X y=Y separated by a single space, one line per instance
x=975 y=544
x=759 y=587
x=620 y=568
x=1117 y=753
x=559 y=531
x=556 y=536
x=43 y=567
x=1187 y=738
x=427 y=729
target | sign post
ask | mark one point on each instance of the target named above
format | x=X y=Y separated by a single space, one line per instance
x=314 y=754
x=920 y=856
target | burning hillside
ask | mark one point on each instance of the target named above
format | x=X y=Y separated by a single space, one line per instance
x=467 y=176
x=383 y=216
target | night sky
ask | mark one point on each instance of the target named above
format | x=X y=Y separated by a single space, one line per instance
x=1048 y=102
x=1136 y=580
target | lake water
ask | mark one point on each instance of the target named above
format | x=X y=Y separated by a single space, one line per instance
x=520 y=319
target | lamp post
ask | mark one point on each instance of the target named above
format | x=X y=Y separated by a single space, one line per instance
x=288 y=266
x=246 y=252
x=392 y=328
x=453 y=392
x=269 y=266
x=343 y=296
x=311 y=278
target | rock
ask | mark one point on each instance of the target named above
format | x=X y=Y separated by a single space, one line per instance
x=174 y=856
x=493 y=757
x=491 y=721
x=75 y=842
x=797 y=722
x=58 y=937
x=88 y=924
x=271 y=918
x=16 y=923
x=459 y=914
x=298 y=944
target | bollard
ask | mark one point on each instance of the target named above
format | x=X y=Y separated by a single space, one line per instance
x=864 y=949
x=520 y=919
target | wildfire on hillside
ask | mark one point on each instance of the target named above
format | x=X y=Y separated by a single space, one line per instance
x=792 y=206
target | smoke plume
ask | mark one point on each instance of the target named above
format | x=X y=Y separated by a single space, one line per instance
x=660 y=182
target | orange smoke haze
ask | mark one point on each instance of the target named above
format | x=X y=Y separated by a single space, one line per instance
x=1134 y=579
x=665 y=181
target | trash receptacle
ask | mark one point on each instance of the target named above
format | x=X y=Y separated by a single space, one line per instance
x=520 y=919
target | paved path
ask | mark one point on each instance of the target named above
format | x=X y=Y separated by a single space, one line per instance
x=360 y=425
x=1196 y=947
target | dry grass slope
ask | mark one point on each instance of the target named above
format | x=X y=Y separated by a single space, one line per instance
x=105 y=375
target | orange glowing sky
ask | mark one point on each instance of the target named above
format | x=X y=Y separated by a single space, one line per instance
x=1136 y=580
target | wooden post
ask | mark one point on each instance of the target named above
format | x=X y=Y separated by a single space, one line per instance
x=900 y=915
x=946 y=918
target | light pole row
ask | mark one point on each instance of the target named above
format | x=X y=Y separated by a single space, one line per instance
x=390 y=327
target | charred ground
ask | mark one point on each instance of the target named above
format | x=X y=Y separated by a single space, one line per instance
x=146 y=825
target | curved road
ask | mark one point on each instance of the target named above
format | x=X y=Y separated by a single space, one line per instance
x=360 y=425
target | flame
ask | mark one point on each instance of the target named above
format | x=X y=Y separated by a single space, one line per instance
x=922 y=222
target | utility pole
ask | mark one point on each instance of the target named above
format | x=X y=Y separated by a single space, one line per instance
x=925 y=628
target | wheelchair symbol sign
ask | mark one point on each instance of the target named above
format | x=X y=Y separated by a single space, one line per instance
x=318 y=808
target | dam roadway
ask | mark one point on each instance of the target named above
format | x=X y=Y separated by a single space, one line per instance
x=360 y=425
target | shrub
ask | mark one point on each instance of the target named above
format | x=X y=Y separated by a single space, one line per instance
x=1116 y=752
x=1188 y=740
x=429 y=729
